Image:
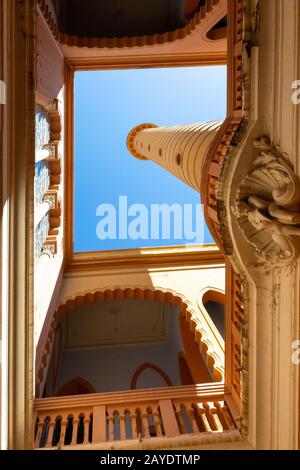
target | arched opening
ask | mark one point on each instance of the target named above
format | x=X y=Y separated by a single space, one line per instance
x=214 y=303
x=76 y=386
x=126 y=327
x=184 y=370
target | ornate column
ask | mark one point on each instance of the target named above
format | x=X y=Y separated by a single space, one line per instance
x=181 y=149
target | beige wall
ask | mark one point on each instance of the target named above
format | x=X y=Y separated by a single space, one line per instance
x=49 y=86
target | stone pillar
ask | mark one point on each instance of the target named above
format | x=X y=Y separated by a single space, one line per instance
x=181 y=150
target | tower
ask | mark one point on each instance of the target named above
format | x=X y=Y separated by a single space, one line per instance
x=181 y=149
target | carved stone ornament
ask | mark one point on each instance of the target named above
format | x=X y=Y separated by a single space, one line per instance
x=267 y=206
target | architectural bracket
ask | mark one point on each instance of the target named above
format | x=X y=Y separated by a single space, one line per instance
x=267 y=206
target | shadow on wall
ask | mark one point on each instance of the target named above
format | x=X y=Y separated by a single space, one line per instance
x=214 y=303
x=76 y=386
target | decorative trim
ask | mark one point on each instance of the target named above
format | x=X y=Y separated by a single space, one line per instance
x=267 y=206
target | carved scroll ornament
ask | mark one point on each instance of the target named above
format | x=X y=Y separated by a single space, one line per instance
x=267 y=206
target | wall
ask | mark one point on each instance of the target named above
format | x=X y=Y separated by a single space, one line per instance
x=111 y=368
x=49 y=86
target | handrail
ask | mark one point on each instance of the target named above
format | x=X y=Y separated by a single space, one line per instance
x=209 y=391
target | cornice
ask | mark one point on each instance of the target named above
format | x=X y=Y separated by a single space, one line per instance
x=146 y=257
x=126 y=60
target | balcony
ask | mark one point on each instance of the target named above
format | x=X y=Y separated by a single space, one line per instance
x=170 y=417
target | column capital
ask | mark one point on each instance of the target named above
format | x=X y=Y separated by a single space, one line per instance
x=131 y=136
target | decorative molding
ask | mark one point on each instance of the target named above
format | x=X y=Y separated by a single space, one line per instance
x=243 y=359
x=267 y=206
x=234 y=324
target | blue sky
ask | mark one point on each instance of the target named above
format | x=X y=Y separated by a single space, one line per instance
x=107 y=105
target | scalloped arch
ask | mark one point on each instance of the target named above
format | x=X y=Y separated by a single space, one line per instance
x=213 y=359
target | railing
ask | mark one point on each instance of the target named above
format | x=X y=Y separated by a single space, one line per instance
x=135 y=414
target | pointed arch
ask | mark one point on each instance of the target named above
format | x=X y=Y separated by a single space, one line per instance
x=149 y=365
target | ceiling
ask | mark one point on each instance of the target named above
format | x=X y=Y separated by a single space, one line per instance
x=116 y=322
x=120 y=18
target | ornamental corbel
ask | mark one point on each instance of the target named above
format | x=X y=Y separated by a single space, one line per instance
x=267 y=205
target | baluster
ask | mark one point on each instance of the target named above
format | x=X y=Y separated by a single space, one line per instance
x=133 y=418
x=203 y=418
x=40 y=427
x=75 y=431
x=122 y=427
x=63 y=424
x=157 y=422
x=215 y=415
x=111 y=427
x=227 y=417
x=182 y=425
x=191 y=414
x=50 y=433
x=86 y=429
x=210 y=417
x=144 y=414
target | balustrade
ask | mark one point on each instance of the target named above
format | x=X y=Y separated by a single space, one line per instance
x=135 y=414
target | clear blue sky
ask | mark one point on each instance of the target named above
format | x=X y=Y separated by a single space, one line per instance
x=107 y=105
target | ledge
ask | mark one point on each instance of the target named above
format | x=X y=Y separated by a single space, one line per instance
x=194 y=255
x=224 y=440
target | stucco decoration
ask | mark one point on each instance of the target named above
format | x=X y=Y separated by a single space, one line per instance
x=267 y=205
